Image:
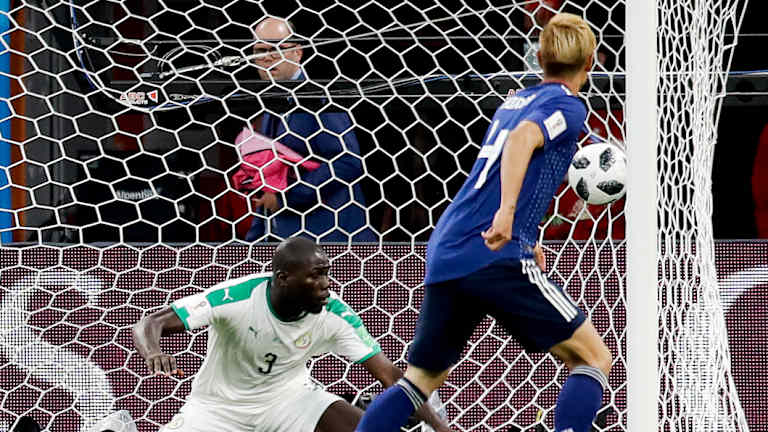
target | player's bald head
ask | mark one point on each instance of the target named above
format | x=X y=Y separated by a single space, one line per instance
x=295 y=253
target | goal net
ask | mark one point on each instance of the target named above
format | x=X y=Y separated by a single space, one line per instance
x=696 y=41
x=141 y=138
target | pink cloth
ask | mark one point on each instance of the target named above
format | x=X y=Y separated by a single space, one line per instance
x=266 y=163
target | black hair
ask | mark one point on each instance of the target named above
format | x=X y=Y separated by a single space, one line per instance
x=293 y=253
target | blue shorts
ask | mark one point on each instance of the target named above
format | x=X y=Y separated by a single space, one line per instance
x=538 y=313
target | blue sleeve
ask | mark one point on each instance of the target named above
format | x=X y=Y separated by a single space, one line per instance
x=560 y=119
x=326 y=145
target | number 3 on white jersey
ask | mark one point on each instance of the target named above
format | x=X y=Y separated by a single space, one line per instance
x=491 y=152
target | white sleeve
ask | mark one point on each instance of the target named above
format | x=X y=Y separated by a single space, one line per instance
x=221 y=301
x=351 y=339
x=194 y=311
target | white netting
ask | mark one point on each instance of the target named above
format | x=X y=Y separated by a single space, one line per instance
x=695 y=45
x=122 y=122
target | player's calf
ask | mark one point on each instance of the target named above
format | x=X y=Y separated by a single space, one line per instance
x=426 y=381
x=584 y=348
x=603 y=360
x=589 y=361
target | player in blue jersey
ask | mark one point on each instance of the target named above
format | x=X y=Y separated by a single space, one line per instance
x=480 y=258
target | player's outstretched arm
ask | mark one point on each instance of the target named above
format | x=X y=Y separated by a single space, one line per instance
x=518 y=149
x=387 y=373
x=146 y=339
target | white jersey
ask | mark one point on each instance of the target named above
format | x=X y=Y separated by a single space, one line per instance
x=253 y=357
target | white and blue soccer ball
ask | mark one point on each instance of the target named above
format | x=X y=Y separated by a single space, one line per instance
x=598 y=173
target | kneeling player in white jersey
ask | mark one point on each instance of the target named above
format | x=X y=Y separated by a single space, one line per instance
x=263 y=330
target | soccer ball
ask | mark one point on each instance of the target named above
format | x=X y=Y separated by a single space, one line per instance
x=598 y=173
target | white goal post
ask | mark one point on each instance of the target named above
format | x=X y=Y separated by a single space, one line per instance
x=642 y=257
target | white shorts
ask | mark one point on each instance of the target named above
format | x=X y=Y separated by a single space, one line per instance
x=297 y=411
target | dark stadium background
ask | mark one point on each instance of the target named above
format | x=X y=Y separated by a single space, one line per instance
x=181 y=144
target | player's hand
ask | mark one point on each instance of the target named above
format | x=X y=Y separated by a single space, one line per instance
x=539 y=257
x=163 y=364
x=269 y=201
x=500 y=231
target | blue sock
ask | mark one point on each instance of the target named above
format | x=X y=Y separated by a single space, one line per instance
x=579 y=399
x=391 y=409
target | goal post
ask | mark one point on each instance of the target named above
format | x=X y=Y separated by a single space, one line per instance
x=642 y=257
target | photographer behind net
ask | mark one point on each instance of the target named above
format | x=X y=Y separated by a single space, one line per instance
x=314 y=191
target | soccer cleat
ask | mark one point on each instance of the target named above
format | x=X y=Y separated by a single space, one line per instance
x=434 y=400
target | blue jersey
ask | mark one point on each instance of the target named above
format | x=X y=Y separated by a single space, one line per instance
x=456 y=248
